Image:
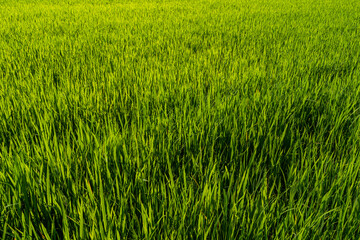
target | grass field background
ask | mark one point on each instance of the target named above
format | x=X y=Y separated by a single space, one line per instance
x=213 y=119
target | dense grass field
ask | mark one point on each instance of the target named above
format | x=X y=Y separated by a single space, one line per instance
x=211 y=119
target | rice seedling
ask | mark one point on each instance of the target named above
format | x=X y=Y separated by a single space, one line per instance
x=171 y=119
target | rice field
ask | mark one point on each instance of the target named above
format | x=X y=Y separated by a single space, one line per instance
x=176 y=119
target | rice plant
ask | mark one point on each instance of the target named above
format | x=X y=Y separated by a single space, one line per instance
x=176 y=119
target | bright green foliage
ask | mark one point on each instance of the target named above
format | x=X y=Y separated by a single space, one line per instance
x=211 y=119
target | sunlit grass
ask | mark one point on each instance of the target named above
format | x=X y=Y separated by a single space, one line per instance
x=179 y=119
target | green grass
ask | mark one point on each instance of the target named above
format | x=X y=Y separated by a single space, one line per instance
x=212 y=119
